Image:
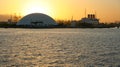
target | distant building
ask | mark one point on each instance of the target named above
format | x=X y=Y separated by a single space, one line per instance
x=37 y=20
x=14 y=19
x=90 y=19
x=73 y=23
x=9 y=21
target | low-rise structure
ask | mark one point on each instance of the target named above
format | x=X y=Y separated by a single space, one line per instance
x=90 y=19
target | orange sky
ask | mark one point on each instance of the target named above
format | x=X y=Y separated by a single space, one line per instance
x=106 y=10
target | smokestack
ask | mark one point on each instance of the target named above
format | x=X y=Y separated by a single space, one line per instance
x=89 y=15
x=93 y=15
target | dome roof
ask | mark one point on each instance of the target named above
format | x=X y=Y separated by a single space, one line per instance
x=37 y=19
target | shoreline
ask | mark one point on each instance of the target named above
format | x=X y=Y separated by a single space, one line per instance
x=4 y=25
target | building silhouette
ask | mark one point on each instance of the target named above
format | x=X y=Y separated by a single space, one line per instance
x=91 y=19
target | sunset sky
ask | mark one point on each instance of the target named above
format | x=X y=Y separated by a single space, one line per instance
x=106 y=10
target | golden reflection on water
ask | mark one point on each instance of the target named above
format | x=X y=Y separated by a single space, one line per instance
x=45 y=48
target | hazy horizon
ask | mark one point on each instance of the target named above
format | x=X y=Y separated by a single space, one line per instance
x=106 y=10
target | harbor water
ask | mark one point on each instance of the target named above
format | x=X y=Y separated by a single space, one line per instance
x=60 y=47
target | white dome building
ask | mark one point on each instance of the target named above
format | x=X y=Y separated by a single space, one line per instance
x=37 y=20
